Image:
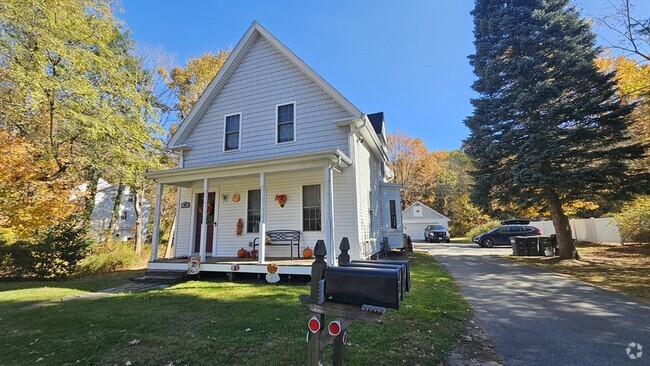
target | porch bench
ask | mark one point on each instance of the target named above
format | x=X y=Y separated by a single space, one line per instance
x=282 y=237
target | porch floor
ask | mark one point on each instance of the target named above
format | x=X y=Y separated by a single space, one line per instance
x=246 y=265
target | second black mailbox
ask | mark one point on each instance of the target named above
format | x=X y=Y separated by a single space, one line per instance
x=364 y=286
x=370 y=264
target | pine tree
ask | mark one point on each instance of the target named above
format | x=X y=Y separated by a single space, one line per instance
x=547 y=128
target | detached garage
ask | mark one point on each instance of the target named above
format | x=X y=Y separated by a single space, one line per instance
x=417 y=216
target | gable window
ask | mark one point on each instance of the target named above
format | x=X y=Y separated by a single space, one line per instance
x=253 y=212
x=286 y=117
x=311 y=219
x=231 y=132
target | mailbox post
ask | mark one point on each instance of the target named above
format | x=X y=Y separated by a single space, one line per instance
x=320 y=335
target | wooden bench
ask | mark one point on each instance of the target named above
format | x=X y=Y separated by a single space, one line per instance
x=281 y=237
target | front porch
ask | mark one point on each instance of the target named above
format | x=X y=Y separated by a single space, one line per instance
x=286 y=266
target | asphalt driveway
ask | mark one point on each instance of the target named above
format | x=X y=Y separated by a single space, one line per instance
x=538 y=318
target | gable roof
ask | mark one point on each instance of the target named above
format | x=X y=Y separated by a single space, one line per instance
x=254 y=32
x=426 y=207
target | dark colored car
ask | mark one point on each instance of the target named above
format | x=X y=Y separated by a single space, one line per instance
x=436 y=234
x=501 y=235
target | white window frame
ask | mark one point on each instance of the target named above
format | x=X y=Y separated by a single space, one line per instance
x=277 y=126
x=322 y=203
x=240 y=131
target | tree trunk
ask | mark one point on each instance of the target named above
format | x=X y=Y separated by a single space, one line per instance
x=91 y=192
x=137 y=208
x=566 y=247
x=170 y=240
x=116 y=211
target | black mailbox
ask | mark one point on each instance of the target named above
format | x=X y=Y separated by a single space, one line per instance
x=364 y=286
x=400 y=267
x=405 y=263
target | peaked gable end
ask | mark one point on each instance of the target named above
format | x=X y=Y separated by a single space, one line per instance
x=254 y=33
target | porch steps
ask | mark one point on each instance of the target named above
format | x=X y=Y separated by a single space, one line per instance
x=162 y=277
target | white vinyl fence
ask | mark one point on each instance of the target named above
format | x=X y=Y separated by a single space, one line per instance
x=602 y=229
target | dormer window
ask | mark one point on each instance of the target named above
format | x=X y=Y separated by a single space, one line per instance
x=232 y=137
x=286 y=118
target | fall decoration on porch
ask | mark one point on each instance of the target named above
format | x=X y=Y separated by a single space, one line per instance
x=272 y=276
x=241 y=253
x=307 y=253
x=281 y=199
x=240 y=227
x=236 y=197
x=271 y=267
x=253 y=253
x=224 y=197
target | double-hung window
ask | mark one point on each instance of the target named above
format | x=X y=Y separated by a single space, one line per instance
x=311 y=219
x=393 y=214
x=253 y=212
x=232 y=132
x=286 y=116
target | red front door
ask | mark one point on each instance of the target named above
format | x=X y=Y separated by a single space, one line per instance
x=199 y=220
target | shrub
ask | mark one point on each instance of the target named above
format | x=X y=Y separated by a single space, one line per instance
x=482 y=228
x=111 y=257
x=53 y=252
x=634 y=221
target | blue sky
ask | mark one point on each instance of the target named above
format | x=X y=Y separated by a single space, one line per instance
x=406 y=58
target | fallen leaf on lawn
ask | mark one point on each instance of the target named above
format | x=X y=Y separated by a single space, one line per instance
x=247 y=330
x=134 y=342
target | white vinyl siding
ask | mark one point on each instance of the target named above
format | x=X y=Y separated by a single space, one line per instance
x=368 y=199
x=262 y=80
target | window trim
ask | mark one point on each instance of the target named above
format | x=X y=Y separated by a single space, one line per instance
x=225 y=118
x=302 y=207
x=277 y=126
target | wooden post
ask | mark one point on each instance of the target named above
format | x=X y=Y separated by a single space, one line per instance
x=339 y=350
x=344 y=257
x=318 y=268
x=155 y=236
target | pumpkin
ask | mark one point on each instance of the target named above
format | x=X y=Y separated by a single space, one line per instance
x=241 y=253
x=307 y=253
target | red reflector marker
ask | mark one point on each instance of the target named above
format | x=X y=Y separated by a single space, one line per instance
x=314 y=324
x=334 y=328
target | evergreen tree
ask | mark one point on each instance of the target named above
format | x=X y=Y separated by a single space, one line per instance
x=547 y=127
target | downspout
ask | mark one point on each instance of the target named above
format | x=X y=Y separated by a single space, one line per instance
x=364 y=119
x=329 y=187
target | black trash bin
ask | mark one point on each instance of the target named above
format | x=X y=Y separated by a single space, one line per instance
x=518 y=245
x=545 y=244
x=532 y=245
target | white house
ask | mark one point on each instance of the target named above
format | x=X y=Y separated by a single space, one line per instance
x=417 y=216
x=125 y=220
x=268 y=125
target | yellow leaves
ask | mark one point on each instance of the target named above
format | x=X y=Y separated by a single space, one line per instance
x=189 y=83
x=26 y=202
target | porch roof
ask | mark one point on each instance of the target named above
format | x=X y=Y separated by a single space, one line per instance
x=185 y=176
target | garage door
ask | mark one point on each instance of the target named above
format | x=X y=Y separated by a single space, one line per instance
x=416 y=230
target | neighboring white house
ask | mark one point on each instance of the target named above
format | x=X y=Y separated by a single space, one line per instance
x=417 y=216
x=125 y=221
x=268 y=125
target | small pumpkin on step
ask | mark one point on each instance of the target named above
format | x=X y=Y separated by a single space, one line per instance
x=241 y=253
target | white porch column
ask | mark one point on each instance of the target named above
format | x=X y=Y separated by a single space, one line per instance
x=262 y=241
x=329 y=216
x=155 y=237
x=204 y=222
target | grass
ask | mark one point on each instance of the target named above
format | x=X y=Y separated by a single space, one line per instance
x=624 y=269
x=220 y=322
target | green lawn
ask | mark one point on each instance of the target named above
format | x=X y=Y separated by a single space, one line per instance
x=217 y=323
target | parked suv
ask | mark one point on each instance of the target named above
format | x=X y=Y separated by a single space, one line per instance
x=437 y=234
x=501 y=235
